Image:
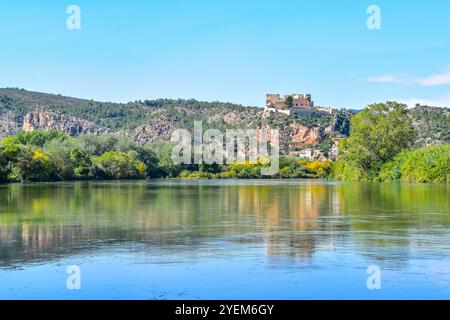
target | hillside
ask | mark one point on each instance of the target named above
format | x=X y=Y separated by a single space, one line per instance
x=154 y=120
x=433 y=124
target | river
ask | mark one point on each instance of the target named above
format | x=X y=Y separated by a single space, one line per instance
x=224 y=239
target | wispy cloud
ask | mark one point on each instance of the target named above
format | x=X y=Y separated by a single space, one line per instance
x=438 y=102
x=390 y=78
x=438 y=79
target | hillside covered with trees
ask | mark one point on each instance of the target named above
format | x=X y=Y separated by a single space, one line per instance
x=151 y=121
x=69 y=138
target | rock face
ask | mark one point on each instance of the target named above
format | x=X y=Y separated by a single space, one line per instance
x=159 y=130
x=432 y=125
x=304 y=136
x=71 y=126
x=230 y=118
x=9 y=124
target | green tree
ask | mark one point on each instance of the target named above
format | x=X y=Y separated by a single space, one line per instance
x=377 y=135
x=166 y=166
x=8 y=153
x=4 y=167
x=289 y=102
x=37 y=138
x=148 y=157
x=32 y=165
x=59 y=151
x=118 y=165
x=83 y=163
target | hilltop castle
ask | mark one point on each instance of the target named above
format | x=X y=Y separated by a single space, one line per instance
x=293 y=104
x=296 y=101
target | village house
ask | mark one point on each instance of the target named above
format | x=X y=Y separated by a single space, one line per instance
x=307 y=154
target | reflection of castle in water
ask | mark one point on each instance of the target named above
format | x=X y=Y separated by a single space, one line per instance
x=48 y=222
x=292 y=217
x=294 y=220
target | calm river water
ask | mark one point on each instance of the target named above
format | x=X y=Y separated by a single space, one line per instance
x=297 y=239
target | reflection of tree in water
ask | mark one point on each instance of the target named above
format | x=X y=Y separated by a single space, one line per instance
x=48 y=221
x=389 y=220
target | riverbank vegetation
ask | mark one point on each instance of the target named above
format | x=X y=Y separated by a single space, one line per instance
x=381 y=148
x=52 y=156
x=290 y=168
x=427 y=164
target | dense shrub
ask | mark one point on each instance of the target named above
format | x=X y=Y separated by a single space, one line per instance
x=36 y=138
x=32 y=165
x=8 y=153
x=118 y=165
x=320 y=168
x=289 y=168
x=427 y=164
x=44 y=156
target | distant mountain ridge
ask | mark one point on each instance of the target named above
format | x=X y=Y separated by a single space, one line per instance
x=155 y=120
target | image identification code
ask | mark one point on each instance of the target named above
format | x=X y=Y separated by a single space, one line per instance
x=234 y=309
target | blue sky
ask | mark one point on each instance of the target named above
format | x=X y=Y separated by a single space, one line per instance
x=234 y=50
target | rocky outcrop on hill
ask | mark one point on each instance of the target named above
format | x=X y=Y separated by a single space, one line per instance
x=9 y=124
x=159 y=130
x=12 y=123
x=304 y=136
x=432 y=125
x=71 y=126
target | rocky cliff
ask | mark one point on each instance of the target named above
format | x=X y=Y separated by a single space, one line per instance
x=304 y=136
x=69 y=125
x=10 y=123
